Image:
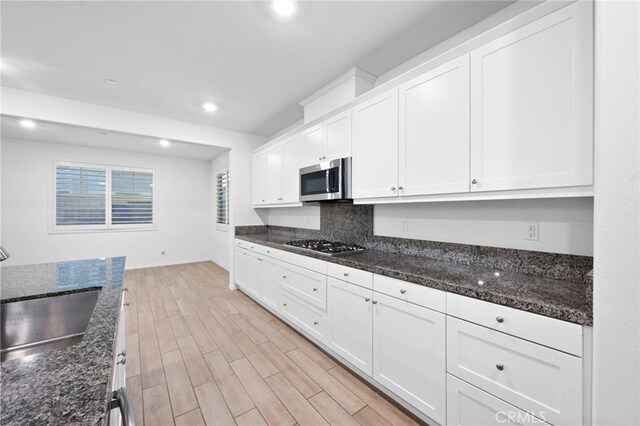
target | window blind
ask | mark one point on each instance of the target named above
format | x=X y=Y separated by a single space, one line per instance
x=222 y=196
x=80 y=195
x=131 y=197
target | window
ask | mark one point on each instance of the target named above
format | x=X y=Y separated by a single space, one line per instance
x=97 y=197
x=222 y=197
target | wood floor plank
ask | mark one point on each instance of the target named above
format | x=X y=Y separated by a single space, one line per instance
x=201 y=336
x=188 y=347
x=265 y=400
x=308 y=348
x=236 y=396
x=179 y=325
x=146 y=326
x=250 y=330
x=166 y=340
x=333 y=413
x=198 y=370
x=132 y=345
x=151 y=363
x=192 y=418
x=368 y=416
x=214 y=408
x=251 y=418
x=372 y=398
x=157 y=408
x=134 y=394
x=298 y=406
x=343 y=396
x=181 y=394
x=305 y=385
x=261 y=363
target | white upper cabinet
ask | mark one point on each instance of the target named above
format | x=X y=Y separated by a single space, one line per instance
x=291 y=170
x=338 y=136
x=274 y=174
x=434 y=131
x=531 y=105
x=259 y=183
x=312 y=145
x=375 y=146
x=328 y=140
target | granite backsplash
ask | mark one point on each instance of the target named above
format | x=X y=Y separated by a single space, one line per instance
x=353 y=224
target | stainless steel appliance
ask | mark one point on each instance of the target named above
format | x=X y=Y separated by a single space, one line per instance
x=328 y=248
x=329 y=180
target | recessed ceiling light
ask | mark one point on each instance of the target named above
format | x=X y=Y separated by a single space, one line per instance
x=109 y=81
x=164 y=143
x=209 y=106
x=29 y=124
x=284 y=7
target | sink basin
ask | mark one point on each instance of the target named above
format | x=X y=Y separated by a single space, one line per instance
x=39 y=325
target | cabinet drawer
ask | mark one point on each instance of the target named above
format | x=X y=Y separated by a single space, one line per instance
x=350 y=275
x=316 y=265
x=309 y=319
x=243 y=244
x=532 y=377
x=551 y=332
x=469 y=406
x=307 y=285
x=414 y=293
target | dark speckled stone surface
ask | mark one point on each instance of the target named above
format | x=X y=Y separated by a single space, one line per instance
x=564 y=300
x=69 y=385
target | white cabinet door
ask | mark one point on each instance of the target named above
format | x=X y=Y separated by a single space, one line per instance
x=469 y=406
x=241 y=268
x=338 y=136
x=307 y=285
x=274 y=175
x=254 y=280
x=409 y=353
x=312 y=145
x=259 y=186
x=270 y=275
x=434 y=131
x=291 y=170
x=375 y=146
x=350 y=324
x=531 y=105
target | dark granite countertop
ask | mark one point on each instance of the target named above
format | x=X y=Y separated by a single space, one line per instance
x=564 y=300
x=69 y=385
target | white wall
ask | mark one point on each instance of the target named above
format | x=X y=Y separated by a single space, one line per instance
x=183 y=208
x=296 y=217
x=219 y=233
x=565 y=224
x=616 y=381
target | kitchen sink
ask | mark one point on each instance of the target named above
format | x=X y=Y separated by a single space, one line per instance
x=39 y=325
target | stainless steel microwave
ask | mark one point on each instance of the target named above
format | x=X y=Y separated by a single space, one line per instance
x=329 y=180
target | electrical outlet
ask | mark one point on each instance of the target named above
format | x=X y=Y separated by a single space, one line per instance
x=162 y=252
x=405 y=225
x=532 y=231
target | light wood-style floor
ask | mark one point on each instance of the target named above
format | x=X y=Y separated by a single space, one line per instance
x=198 y=353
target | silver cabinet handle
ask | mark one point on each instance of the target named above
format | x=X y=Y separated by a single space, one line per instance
x=127 y=304
x=119 y=400
x=393 y=188
x=315 y=323
x=125 y=289
x=474 y=181
x=268 y=251
x=320 y=158
x=500 y=319
x=401 y=188
x=374 y=302
x=280 y=199
x=346 y=274
x=123 y=361
x=366 y=299
x=500 y=367
x=284 y=277
x=315 y=289
x=123 y=353
x=403 y=291
x=284 y=304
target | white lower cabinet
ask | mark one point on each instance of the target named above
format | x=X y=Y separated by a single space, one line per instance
x=532 y=377
x=241 y=268
x=469 y=406
x=409 y=353
x=270 y=271
x=304 y=315
x=350 y=325
x=254 y=279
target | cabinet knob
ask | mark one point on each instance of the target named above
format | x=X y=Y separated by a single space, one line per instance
x=268 y=251
x=284 y=304
x=500 y=319
x=125 y=289
x=401 y=188
x=374 y=302
x=280 y=199
x=123 y=361
x=403 y=291
x=123 y=353
x=500 y=367
x=393 y=188
x=319 y=158
x=315 y=289
x=127 y=304
x=284 y=277
x=366 y=299
x=315 y=323
x=346 y=274
x=474 y=181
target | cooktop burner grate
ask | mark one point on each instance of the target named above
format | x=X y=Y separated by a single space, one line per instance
x=328 y=248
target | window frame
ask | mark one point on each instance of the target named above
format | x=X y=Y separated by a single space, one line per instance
x=108 y=226
x=223 y=226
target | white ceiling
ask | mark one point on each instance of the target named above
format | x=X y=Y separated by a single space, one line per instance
x=168 y=57
x=74 y=135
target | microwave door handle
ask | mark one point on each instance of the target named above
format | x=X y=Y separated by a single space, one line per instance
x=327 y=188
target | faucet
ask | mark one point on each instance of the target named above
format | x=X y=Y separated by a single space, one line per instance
x=4 y=255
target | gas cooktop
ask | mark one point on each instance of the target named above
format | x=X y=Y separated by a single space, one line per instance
x=328 y=248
